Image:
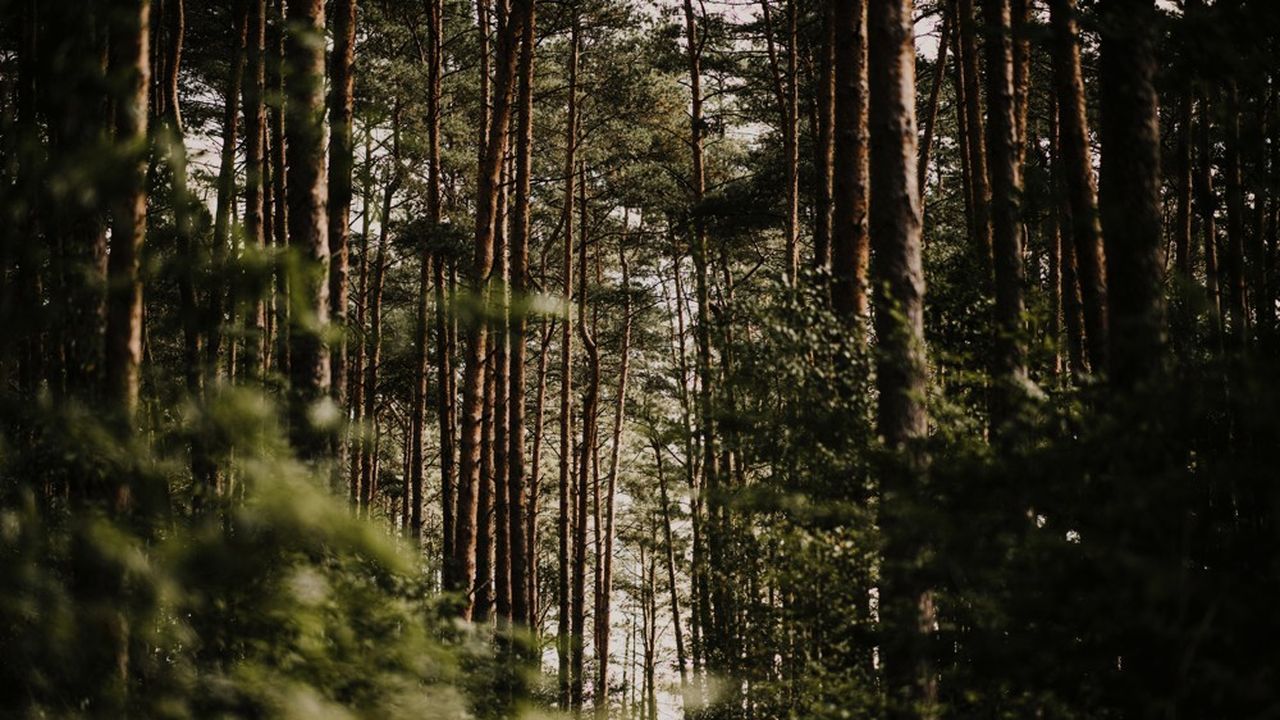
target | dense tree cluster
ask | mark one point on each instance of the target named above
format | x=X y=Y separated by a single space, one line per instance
x=773 y=359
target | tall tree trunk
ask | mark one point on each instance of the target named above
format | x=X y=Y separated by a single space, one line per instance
x=1009 y=367
x=1206 y=206
x=850 y=245
x=1086 y=230
x=217 y=295
x=824 y=146
x=255 y=143
x=671 y=573
x=935 y=94
x=1233 y=261
x=130 y=70
x=482 y=584
x=1053 y=232
x=308 y=222
x=605 y=559
x=501 y=413
x=1020 y=20
x=563 y=643
x=517 y=505
x=962 y=127
x=341 y=160
x=356 y=384
x=586 y=451
x=906 y=604
x=445 y=390
x=1130 y=189
x=279 y=183
x=978 y=176
x=705 y=415
x=535 y=466
x=373 y=342
x=784 y=89
x=418 y=406
x=1182 y=223
x=477 y=336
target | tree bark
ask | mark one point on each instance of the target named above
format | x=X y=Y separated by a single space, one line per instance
x=341 y=160
x=279 y=183
x=850 y=245
x=1009 y=369
x=974 y=125
x=671 y=573
x=563 y=642
x=1233 y=261
x=935 y=94
x=1206 y=206
x=604 y=559
x=129 y=67
x=373 y=342
x=477 y=336
x=217 y=295
x=517 y=505
x=1086 y=230
x=824 y=146
x=586 y=451
x=784 y=89
x=1130 y=190
x=906 y=603
x=308 y=223
x=255 y=143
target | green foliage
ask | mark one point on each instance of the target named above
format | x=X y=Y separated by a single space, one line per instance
x=270 y=600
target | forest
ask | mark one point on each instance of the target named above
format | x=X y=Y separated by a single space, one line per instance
x=640 y=359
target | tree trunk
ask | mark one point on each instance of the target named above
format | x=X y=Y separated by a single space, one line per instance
x=517 y=506
x=705 y=416
x=1233 y=265
x=906 y=603
x=1206 y=206
x=129 y=67
x=535 y=458
x=974 y=126
x=1130 y=190
x=279 y=183
x=356 y=384
x=255 y=143
x=217 y=298
x=784 y=89
x=563 y=643
x=341 y=160
x=605 y=559
x=308 y=223
x=373 y=345
x=671 y=572
x=1182 y=224
x=477 y=336
x=1009 y=367
x=824 y=147
x=935 y=94
x=850 y=246
x=586 y=451
x=501 y=413
x=1086 y=230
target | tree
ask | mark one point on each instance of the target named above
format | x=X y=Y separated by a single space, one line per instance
x=308 y=224
x=906 y=604
x=1086 y=229
x=130 y=68
x=849 y=243
x=1010 y=364
x=341 y=159
x=1130 y=190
